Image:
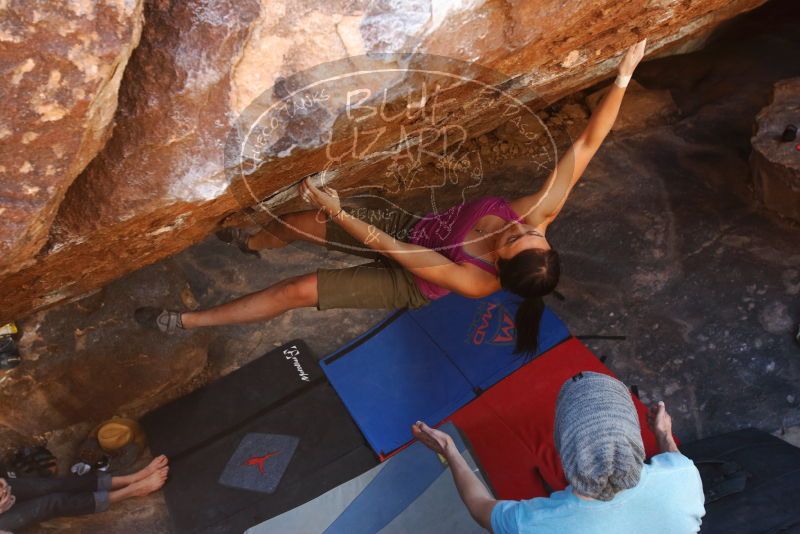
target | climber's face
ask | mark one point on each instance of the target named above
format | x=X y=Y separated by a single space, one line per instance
x=518 y=237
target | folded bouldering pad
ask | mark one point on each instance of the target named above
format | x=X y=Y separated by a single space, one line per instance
x=751 y=480
x=310 y=445
x=258 y=442
x=215 y=409
x=424 y=364
x=510 y=426
x=411 y=492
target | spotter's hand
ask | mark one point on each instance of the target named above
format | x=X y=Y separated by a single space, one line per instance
x=435 y=440
x=659 y=420
x=325 y=199
x=632 y=58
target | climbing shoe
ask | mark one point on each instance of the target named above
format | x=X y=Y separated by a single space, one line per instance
x=36 y=461
x=166 y=321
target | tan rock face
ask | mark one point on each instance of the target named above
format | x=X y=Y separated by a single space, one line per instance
x=62 y=64
x=640 y=107
x=55 y=388
x=112 y=378
x=775 y=163
x=162 y=181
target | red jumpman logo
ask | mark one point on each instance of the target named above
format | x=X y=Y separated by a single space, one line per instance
x=259 y=461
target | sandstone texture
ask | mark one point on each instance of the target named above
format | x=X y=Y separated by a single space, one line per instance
x=70 y=384
x=164 y=181
x=659 y=243
x=776 y=163
x=641 y=106
x=62 y=64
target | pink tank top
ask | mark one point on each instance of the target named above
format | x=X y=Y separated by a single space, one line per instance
x=446 y=231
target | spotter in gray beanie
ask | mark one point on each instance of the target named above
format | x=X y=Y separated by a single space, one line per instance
x=597 y=435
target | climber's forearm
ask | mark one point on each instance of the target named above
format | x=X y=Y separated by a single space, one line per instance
x=409 y=255
x=371 y=236
x=603 y=117
x=421 y=261
x=465 y=279
x=473 y=492
x=551 y=199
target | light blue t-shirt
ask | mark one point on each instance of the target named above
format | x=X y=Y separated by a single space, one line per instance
x=668 y=499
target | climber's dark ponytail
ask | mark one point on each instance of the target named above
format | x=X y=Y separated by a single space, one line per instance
x=531 y=274
x=529 y=313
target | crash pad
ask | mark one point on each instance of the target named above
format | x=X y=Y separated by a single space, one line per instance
x=424 y=364
x=259 y=462
x=215 y=409
x=769 y=471
x=478 y=335
x=211 y=489
x=510 y=426
x=255 y=443
x=411 y=492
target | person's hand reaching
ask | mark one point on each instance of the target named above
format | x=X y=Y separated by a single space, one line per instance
x=659 y=419
x=325 y=199
x=661 y=424
x=436 y=440
x=632 y=58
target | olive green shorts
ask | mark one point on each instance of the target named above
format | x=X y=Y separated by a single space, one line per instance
x=381 y=283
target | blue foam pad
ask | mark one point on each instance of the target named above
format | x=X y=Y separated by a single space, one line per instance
x=478 y=335
x=392 y=379
x=427 y=363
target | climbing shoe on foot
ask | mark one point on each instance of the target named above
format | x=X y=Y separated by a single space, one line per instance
x=166 y=321
x=238 y=238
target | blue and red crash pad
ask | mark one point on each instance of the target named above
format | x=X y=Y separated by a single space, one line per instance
x=510 y=426
x=427 y=363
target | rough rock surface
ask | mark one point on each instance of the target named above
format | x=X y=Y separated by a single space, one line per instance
x=82 y=369
x=161 y=184
x=660 y=242
x=61 y=65
x=640 y=107
x=776 y=163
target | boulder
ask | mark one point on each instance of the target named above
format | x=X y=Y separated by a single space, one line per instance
x=69 y=386
x=62 y=64
x=775 y=164
x=163 y=181
x=88 y=360
x=641 y=107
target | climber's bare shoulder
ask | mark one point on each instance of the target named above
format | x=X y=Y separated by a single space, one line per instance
x=528 y=208
x=477 y=283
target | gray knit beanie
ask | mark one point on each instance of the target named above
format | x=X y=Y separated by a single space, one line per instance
x=597 y=435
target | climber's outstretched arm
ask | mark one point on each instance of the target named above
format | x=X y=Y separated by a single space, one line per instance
x=542 y=207
x=464 y=279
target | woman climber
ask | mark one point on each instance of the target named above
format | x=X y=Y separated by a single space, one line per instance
x=490 y=243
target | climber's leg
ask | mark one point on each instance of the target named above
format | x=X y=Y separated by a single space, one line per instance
x=382 y=284
x=296 y=292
